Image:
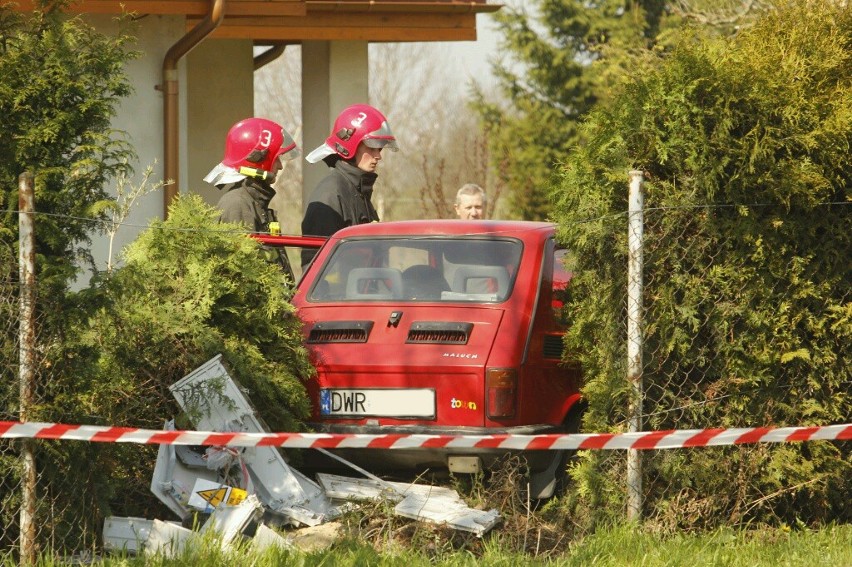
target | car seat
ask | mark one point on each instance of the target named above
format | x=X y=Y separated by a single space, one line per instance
x=423 y=282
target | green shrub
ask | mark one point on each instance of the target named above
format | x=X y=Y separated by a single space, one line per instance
x=190 y=288
x=745 y=145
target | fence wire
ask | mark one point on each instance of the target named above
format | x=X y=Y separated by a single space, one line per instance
x=742 y=326
x=700 y=370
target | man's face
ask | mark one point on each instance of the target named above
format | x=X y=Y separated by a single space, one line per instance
x=469 y=207
x=367 y=159
x=277 y=167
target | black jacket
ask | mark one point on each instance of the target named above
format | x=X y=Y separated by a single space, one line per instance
x=247 y=202
x=341 y=199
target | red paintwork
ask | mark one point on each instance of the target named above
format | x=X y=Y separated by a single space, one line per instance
x=501 y=337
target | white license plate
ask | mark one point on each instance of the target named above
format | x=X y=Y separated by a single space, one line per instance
x=381 y=402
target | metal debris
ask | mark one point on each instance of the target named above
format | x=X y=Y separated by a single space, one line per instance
x=190 y=480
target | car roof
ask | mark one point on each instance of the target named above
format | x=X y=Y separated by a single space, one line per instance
x=443 y=227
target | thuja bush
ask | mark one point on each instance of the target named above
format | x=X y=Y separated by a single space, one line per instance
x=61 y=82
x=747 y=321
x=189 y=288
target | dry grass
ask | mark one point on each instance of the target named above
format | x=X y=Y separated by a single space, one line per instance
x=527 y=526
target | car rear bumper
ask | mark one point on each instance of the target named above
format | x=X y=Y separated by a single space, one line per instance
x=435 y=458
x=349 y=429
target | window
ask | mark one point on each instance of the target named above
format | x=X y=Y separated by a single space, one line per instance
x=419 y=269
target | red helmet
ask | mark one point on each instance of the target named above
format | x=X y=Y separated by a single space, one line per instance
x=257 y=143
x=355 y=124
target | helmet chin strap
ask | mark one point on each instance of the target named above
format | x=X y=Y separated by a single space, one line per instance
x=255 y=173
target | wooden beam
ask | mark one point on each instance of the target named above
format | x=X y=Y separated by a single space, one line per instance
x=351 y=26
x=295 y=20
x=356 y=20
x=200 y=8
x=267 y=34
x=268 y=7
x=411 y=6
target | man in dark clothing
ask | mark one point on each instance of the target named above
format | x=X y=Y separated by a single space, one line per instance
x=352 y=151
x=341 y=199
x=255 y=150
x=247 y=202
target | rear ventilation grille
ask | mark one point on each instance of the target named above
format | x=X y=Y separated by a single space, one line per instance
x=340 y=332
x=552 y=346
x=439 y=333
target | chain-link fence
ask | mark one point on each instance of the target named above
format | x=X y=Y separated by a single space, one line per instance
x=40 y=485
x=43 y=487
x=732 y=329
x=733 y=321
x=51 y=494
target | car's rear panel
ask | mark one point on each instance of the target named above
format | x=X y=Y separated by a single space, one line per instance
x=426 y=368
x=478 y=357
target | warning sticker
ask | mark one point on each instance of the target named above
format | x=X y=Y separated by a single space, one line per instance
x=206 y=495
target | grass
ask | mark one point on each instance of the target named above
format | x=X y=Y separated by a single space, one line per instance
x=827 y=547
x=549 y=536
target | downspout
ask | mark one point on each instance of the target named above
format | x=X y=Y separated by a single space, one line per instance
x=269 y=55
x=170 y=96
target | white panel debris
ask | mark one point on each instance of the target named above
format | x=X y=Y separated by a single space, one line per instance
x=265 y=537
x=167 y=539
x=214 y=401
x=126 y=534
x=229 y=522
x=202 y=479
x=170 y=538
x=433 y=504
x=450 y=511
x=173 y=480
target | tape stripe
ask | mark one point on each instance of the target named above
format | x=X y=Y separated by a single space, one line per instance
x=645 y=440
x=702 y=438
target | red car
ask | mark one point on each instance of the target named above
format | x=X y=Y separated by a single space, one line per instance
x=441 y=327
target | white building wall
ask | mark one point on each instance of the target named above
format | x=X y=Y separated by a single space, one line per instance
x=335 y=74
x=141 y=117
x=220 y=92
x=215 y=90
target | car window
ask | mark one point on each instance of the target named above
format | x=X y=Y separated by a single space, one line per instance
x=418 y=269
x=562 y=274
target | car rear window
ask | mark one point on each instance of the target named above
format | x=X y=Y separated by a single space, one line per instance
x=419 y=269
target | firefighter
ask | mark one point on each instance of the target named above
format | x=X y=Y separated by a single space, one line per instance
x=352 y=152
x=256 y=150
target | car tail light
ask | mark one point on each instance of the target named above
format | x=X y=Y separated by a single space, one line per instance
x=501 y=390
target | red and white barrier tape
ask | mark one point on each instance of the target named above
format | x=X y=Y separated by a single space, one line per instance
x=641 y=440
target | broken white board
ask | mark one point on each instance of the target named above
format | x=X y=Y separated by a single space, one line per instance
x=265 y=537
x=173 y=481
x=168 y=539
x=435 y=504
x=346 y=488
x=439 y=509
x=215 y=402
x=229 y=522
x=126 y=534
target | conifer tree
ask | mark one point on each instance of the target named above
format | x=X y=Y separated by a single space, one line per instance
x=745 y=147
x=61 y=82
x=60 y=85
x=560 y=58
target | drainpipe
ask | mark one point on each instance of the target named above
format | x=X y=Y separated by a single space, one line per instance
x=269 y=55
x=170 y=95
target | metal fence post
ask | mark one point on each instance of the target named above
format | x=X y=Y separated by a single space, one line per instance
x=634 y=340
x=26 y=338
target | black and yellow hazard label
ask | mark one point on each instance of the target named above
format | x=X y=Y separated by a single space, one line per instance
x=228 y=495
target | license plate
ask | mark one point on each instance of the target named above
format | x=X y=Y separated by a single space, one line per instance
x=380 y=402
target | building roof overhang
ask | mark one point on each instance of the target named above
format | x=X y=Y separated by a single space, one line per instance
x=293 y=21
